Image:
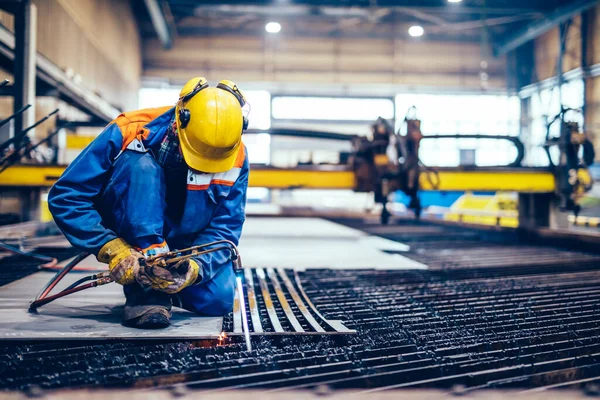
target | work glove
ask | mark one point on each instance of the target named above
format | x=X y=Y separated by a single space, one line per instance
x=169 y=280
x=122 y=259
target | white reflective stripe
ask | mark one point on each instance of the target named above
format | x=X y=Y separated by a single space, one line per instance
x=206 y=179
x=229 y=176
x=136 y=145
x=198 y=179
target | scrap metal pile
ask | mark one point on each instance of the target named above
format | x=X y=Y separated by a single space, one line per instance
x=490 y=313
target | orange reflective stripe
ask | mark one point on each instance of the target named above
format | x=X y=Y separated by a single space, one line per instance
x=221 y=182
x=132 y=123
x=212 y=182
x=197 y=187
x=241 y=157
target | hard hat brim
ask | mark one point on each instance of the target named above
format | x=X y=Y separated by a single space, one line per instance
x=200 y=163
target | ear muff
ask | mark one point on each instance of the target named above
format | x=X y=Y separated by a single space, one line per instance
x=232 y=88
x=184 y=117
x=186 y=95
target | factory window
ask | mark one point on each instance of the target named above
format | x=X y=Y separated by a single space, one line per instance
x=259 y=147
x=463 y=114
x=260 y=108
x=331 y=108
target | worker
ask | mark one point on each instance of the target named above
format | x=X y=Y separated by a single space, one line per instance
x=160 y=179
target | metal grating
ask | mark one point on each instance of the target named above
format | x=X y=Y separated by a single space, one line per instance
x=480 y=326
x=277 y=304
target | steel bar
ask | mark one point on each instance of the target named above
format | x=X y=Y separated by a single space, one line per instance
x=283 y=301
x=334 y=324
x=242 y=305
x=299 y=303
x=262 y=281
x=252 y=305
x=237 y=312
x=11 y=117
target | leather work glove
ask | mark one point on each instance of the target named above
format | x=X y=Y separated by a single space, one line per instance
x=171 y=280
x=122 y=259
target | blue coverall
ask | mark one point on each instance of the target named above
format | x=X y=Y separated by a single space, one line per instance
x=116 y=188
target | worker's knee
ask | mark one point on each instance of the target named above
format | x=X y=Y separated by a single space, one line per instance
x=220 y=304
x=211 y=301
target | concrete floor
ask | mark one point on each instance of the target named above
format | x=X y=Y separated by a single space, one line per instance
x=90 y=314
x=302 y=243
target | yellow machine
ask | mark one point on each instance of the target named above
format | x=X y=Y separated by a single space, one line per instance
x=369 y=168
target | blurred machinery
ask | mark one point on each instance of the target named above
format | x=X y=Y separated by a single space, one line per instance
x=574 y=154
x=388 y=162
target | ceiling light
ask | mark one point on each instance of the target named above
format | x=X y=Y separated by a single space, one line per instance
x=416 y=31
x=454 y=1
x=273 y=27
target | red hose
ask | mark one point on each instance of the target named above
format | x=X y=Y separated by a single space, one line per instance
x=45 y=300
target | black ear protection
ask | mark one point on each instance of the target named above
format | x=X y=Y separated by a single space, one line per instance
x=185 y=115
x=232 y=88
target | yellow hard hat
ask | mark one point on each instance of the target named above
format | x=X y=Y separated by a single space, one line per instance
x=210 y=124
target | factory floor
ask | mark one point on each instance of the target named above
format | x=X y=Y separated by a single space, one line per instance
x=434 y=306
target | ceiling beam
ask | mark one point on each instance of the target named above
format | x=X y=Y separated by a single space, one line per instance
x=297 y=9
x=492 y=7
x=535 y=29
x=445 y=36
x=159 y=22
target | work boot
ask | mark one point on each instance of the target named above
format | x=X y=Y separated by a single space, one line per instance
x=146 y=310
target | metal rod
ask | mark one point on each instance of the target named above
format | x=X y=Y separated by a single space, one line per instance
x=240 y=289
x=283 y=301
x=338 y=326
x=299 y=303
x=237 y=312
x=22 y=133
x=7 y=120
x=38 y=123
x=262 y=281
x=252 y=304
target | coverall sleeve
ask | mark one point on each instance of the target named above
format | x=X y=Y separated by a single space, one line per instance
x=71 y=199
x=226 y=223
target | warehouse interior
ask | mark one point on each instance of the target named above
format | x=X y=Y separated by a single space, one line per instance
x=422 y=210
